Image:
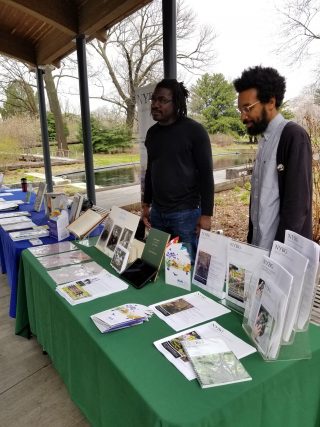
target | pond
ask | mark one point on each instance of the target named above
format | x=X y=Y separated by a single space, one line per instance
x=124 y=175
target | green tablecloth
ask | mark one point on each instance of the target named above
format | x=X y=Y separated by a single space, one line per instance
x=120 y=379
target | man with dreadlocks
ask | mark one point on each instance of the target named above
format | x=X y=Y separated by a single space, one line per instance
x=179 y=187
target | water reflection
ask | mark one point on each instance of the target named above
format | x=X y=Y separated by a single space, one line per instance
x=131 y=174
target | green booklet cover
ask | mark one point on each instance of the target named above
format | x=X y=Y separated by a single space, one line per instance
x=155 y=246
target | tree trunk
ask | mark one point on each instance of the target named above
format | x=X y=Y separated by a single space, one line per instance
x=56 y=111
x=130 y=116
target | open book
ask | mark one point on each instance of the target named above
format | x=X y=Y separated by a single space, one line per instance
x=144 y=269
x=214 y=363
x=86 y=223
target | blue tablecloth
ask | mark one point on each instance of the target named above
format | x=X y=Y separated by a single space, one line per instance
x=11 y=251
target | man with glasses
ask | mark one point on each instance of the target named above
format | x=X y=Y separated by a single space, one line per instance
x=281 y=183
x=179 y=187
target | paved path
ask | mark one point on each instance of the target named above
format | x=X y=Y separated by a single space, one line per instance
x=130 y=195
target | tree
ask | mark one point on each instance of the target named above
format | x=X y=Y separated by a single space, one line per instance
x=132 y=52
x=18 y=99
x=213 y=102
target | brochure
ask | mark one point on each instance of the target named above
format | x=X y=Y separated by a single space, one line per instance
x=40 y=196
x=77 y=272
x=267 y=313
x=19 y=226
x=40 y=231
x=188 y=310
x=311 y=251
x=244 y=263
x=55 y=248
x=86 y=223
x=121 y=317
x=296 y=264
x=171 y=347
x=120 y=228
x=66 y=258
x=14 y=220
x=214 y=363
x=90 y=288
x=178 y=266
x=211 y=263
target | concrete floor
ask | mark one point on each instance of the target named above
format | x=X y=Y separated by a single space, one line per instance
x=31 y=391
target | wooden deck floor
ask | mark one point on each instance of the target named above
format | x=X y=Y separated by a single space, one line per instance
x=31 y=391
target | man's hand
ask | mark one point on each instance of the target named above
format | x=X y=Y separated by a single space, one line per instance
x=204 y=223
x=145 y=215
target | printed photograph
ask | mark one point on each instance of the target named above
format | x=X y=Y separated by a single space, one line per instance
x=175 y=348
x=174 y=307
x=118 y=258
x=114 y=237
x=202 y=267
x=236 y=282
x=101 y=244
x=262 y=329
x=125 y=237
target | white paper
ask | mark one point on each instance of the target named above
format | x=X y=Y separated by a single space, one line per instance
x=244 y=263
x=296 y=264
x=172 y=349
x=211 y=263
x=310 y=250
x=188 y=310
x=98 y=286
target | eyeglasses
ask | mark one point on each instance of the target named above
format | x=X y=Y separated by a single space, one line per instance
x=247 y=108
x=161 y=99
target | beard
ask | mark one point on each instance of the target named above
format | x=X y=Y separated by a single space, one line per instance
x=258 y=126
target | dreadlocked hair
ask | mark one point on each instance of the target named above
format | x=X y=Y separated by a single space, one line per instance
x=179 y=95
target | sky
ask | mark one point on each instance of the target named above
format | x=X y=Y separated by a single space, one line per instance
x=248 y=34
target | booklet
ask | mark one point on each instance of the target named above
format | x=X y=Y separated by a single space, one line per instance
x=19 y=226
x=211 y=263
x=146 y=268
x=214 y=363
x=171 y=347
x=14 y=220
x=125 y=315
x=268 y=308
x=311 y=251
x=40 y=196
x=55 y=248
x=40 y=231
x=120 y=228
x=86 y=223
x=244 y=263
x=90 y=288
x=188 y=310
x=296 y=264
x=76 y=272
x=178 y=266
x=66 y=258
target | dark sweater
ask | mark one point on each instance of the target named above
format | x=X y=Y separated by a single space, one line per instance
x=179 y=174
x=294 y=166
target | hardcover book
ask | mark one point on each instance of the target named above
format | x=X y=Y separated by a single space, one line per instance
x=214 y=364
x=86 y=223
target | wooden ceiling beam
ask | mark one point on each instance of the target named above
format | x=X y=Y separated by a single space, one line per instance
x=61 y=14
x=16 y=47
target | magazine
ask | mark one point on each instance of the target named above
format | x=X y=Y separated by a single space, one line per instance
x=267 y=313
x=211 y=263
x=90 y=288
x=55 y=248
x=120 y=228
x=244 y=263
x=77 y=272
x=178 y=266
x=296 y=264
x=171 y=347
x=39 y=231
x=121 y=317
x=214 y=363
x=188 y=310
x=66 y=258
x=311 y=251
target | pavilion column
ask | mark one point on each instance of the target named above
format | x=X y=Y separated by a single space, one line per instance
x=169 y=24
x=85 y=117
x=44 y=130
